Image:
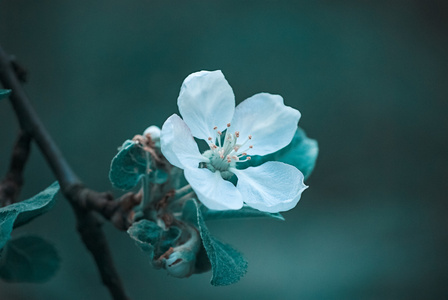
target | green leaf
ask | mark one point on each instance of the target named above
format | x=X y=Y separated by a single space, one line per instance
x=7 y=219
x=28 y=259
x=228 y=264
x=4 y=93
x=132 y=163
x=301 y=152
x=17 y=214
x=245 y=212
x=152 y=239
x=128 y=166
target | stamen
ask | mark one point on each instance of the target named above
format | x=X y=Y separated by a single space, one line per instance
x=228 y=124
x=218 y=136
x=247 y=158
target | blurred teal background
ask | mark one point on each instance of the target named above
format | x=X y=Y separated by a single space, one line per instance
x=369 y=77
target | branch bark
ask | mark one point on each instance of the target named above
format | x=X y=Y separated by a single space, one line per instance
x=82 y=199
x=12 y=183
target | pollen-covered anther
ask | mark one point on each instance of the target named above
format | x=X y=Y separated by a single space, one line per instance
x=228 y=124
x=219 y=132
x=251 y=146
x=236 y=148
x=250 y=137
x=209 y=138
x=214 y=128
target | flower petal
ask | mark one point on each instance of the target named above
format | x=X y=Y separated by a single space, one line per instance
x=266 y=118
x=271 y=187
x=206 y=100
x=213 y=191
x=178 y=145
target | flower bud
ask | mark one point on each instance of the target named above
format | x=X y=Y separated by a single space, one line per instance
x=181 y=263
x=154 y=132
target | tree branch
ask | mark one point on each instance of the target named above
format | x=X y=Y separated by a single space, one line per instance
x=83 y=200
x=12 y=183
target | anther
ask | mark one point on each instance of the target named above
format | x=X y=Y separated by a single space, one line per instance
x=248 y=158
x=250 y=137
x=251 y=146
x=237 y=133
x=219 y=132
x=214 y=128
x=228 y=124
x=209 y=138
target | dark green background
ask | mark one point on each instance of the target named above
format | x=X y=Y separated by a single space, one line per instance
x=369 y=77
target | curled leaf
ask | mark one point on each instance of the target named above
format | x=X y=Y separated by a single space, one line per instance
x=130 y=164
x=152 y=239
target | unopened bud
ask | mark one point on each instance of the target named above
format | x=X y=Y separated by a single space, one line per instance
x=154 y=132
x=181 y=263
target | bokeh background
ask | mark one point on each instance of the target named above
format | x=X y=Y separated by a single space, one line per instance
x=369 y=77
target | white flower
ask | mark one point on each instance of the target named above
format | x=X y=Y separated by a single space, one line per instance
x=260 y=125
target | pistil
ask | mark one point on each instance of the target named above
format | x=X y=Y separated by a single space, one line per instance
x=222 y=156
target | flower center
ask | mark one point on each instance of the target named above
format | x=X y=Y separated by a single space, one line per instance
x=226 y=153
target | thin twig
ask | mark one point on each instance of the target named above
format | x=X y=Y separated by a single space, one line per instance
x=12 y=183
x=88 y=224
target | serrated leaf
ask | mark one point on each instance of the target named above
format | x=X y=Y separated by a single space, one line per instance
x=128 y=166
x=132 y=163
x=4 y=93
x=152 y=239
x=228 y=264
x=17 y=214
x=245 y=212
x=302 y=153
x=28 y=259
